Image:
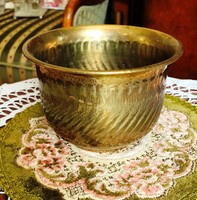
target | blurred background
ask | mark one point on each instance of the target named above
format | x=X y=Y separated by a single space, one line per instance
x=22 y=19
x=175 y=17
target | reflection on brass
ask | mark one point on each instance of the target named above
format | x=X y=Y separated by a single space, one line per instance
x=102 y=87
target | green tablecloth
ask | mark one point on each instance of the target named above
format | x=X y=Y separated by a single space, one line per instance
x=162 y=166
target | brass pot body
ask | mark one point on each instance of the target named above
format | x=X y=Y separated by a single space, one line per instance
x=102 y=87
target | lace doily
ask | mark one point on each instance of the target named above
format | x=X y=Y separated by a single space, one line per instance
x=185 y=89
x=147 y=170
x=14 y=98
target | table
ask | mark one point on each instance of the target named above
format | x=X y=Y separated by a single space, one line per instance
x=16 y=97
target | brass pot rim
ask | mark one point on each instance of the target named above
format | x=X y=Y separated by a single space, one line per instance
x=178 y=52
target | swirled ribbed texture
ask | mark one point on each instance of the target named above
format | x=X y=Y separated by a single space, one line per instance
x=102 y=55
x=99 y=112
x=102 y=87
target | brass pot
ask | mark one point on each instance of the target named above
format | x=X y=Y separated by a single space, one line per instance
x=102 y=86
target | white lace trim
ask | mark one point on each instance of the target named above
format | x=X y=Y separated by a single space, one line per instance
x=16 y=97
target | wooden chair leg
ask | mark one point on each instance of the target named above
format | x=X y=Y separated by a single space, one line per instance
x=3 y=197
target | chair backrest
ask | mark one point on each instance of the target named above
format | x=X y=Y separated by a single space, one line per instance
x=85 y=12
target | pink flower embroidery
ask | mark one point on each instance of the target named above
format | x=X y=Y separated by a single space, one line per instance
x=147 y=173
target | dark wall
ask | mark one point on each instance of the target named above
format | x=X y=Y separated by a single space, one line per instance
x=175 y=17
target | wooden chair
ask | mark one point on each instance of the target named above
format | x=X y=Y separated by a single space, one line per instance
x=85 y=12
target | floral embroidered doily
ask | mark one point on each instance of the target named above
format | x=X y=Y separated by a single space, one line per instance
x=36 y=164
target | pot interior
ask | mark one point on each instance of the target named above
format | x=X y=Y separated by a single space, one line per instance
x=94 y=48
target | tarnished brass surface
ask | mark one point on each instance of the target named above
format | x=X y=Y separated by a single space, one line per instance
x=102 y=87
